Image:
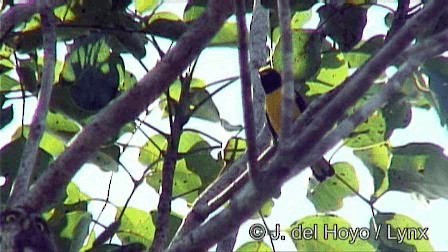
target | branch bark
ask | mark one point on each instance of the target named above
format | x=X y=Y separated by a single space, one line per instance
x=288 y=94
x=37 y=127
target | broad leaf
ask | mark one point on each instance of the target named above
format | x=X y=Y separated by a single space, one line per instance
x=137 y=226
x=397 y=232
x=254 y=246
x=329 y=194
x=306 y=54
x=326 y=233
x=377 y=159
x=420 y=168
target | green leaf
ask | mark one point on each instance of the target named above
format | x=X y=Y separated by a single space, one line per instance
x=227 y=36
x=368 y=133
x=107 y=158
x=144 y=5
x=420 y=168
x=300 y=18
x=6 y=63
x=397 y=232
x=198 y=96
x=167 y=25
x=306 y=55
x=8 y=84
x=49 y=143
x=193 y=12
x=372 y=131
x=174 y=223
x=254 y=246
x=76 y=229
x=328 y=195
x=333 y=71
x=203 y=110
x=317 y=233
x=137 y=226
x=265 y=210
x=151 y=151
x=60 y=123
x=10 y=156
x=358 y=56
x=185 y=181
x=397 y=114
x=235 y=148
x=6 y=114
x=377 y=159
x=74 y=195
x=128 y=81
x=196 y=153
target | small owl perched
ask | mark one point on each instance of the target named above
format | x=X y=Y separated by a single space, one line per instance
x=22 y=230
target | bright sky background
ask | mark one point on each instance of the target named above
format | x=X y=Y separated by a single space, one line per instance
x=219 y=63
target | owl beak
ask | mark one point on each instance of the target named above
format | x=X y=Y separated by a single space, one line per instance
x=26 y=224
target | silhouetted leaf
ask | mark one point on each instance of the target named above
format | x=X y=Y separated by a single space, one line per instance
x=6 y=114
x=345 y=24
x=419 y=168
x=10 y=156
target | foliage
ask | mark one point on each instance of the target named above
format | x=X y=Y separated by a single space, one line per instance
x=97 y=35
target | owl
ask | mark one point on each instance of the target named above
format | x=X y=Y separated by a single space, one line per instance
x=22 y=230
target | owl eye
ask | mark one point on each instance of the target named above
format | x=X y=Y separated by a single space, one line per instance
x=40 y=226
x=11 y=217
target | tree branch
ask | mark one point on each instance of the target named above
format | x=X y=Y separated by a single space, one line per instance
x=246 y=87
x=288 y=94
x=127 y=107
x=37 y=127
x=169 y=166
x=20 y=13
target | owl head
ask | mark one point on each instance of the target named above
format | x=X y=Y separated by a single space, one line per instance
x=22 y=229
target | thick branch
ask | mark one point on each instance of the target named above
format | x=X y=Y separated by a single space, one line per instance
x=37 y=127
x=127 y=107
x=20 y=13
